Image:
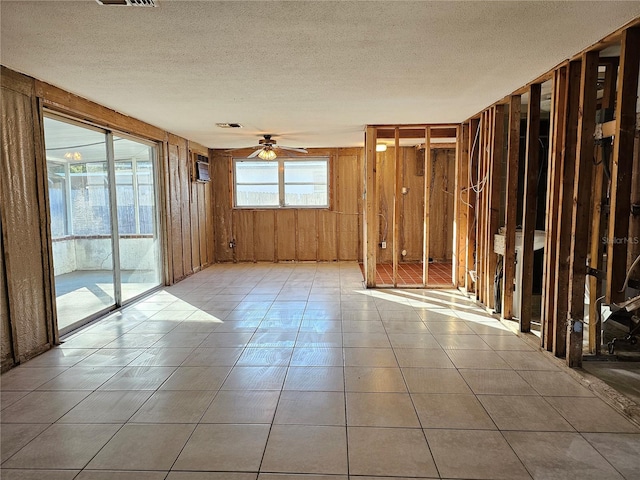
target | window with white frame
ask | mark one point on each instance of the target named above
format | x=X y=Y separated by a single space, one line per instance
x=281 y=183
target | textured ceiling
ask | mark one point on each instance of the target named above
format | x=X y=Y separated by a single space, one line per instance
x=313 y=72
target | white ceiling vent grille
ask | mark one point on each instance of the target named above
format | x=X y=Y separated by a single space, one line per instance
x=129 y=3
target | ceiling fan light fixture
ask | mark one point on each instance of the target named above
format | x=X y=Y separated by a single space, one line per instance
x=267 y=154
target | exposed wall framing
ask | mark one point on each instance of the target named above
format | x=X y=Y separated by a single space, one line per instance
x=460 y=205
x=394 y=209
x=529 y=208
x=590 y=225
x=426 y=236
x=472 y=207
x=580 y=224
x=622 y=165
x=554 y=180
x=511 y=195
x=493 y=199
x=567 y=137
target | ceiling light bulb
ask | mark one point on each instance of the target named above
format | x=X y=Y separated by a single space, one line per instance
x=267 y=154
x=381 y=147
x=73 y=156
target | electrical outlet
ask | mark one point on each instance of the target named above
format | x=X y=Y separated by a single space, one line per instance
x=383 y=244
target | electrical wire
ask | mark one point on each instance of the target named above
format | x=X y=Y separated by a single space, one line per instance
x=626 y=280
x=478 y=187
x=386 y=227
x=544 y=156
x=469 y=174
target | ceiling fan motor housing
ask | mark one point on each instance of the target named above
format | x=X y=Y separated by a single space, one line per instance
x=267 y=140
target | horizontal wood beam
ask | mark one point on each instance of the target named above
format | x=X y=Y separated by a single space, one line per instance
x=442 y=146
x=65 y=102
x=444 y=132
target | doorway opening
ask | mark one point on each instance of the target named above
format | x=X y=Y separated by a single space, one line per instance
x=409 y=208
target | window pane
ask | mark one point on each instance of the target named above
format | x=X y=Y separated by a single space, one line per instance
x=295 y=183
x=305 y=183
x=144 y=173
x=256 y=172
x=257 y=195
x=305 y=195
x=256 y=184
x=305 y=172
x=57 y=199
x=90 y=199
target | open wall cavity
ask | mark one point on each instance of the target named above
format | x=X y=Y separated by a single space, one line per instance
x=552 y=206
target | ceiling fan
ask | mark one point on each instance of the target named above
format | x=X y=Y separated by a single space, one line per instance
x=267 y=146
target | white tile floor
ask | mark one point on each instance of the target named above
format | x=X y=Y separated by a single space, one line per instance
x=284 y=372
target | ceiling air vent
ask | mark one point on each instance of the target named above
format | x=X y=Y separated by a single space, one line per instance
x=129 y=3
x=228 y=125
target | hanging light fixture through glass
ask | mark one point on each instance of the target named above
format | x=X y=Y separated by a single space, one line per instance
x=267 y=153
x=73 y=156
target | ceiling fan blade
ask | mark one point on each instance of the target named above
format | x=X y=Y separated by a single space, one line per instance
x=242 y=148
x=255 y=154
x=299 y=150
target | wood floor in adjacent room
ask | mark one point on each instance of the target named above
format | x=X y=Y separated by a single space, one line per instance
x=284 y=372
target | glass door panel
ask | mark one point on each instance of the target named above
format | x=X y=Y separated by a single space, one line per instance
x=139 y=243
x=80 y=212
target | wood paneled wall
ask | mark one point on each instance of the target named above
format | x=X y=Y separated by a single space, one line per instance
x=27 y=303
x=442 y=195
x=385 y=172
x=412 y=203
x=282 y=235
x=189 y=210
x=26 y=268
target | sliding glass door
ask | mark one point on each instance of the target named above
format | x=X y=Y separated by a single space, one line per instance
x=138 y=244
x=102 y=199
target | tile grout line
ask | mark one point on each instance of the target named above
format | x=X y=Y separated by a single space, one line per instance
x=275 y=412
